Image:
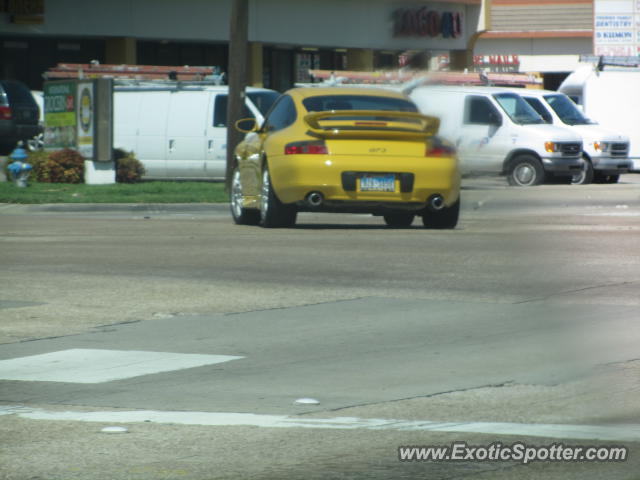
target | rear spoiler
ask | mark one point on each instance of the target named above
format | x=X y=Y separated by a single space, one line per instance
x=374 y=124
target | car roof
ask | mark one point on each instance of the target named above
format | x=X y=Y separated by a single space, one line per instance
x=306 y=92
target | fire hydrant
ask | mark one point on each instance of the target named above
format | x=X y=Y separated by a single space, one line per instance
x=19 y=169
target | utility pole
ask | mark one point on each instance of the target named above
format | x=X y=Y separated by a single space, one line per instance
x=238 y=51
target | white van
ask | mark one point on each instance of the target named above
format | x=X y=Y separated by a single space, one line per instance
x=497 y=132
x=178 y=130
x=611 y=97
x=605 y=151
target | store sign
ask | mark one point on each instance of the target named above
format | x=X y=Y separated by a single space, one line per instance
x=616 y=28
x=23 y=11
x=423 y=22
x=60 y=114
x=78 y=115
x=497 y=63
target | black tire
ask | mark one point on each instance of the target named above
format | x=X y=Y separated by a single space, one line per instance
x=399 y=219
x=601 y=178
x=612 y=179
x=274 y=213
x=241 y=215
x=585 y=177
x=525 y=171
x=442 y=219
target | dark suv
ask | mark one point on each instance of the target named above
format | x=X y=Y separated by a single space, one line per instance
x=19 y=115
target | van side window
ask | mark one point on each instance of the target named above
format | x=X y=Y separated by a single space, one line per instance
x=220 y=111
x=540 y=109
x=281 y=115
x=479 y=110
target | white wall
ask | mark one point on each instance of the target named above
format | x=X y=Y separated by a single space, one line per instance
x=534 y=46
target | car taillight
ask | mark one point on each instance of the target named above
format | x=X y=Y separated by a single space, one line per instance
x=5 y=113
x=439 y=149
x=311 y=148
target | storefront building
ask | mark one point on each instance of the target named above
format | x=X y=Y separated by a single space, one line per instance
x=287 y=37
x=545 y=36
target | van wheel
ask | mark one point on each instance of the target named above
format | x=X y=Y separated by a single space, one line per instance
x=274 y=213
x=585 y=176
x=612 y=179
x=241 y=215
x=399 y=219
x=441 y=219
x=600 y=178
x=525 y=171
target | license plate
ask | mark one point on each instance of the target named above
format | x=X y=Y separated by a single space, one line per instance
x=378 y=183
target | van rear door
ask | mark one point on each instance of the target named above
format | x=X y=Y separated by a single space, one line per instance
x=152 y=131
x=185 y=144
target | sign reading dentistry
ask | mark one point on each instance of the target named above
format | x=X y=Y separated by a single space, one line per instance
x=616 y=29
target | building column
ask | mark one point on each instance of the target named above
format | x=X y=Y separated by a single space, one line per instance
x=255 y=65
x=460 y=59
x=360 y=60
x=121 y=51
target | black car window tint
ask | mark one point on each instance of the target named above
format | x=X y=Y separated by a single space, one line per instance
x=478 y=110
x=323 y=103
x=281 y=115
x=220 y=111
x=18 y=93
x=263 y=100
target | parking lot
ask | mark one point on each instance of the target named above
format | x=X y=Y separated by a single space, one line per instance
x=231 y=351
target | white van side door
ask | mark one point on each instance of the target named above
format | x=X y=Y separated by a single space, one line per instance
x=186 y=129
x=152 y=131
x=481 y=142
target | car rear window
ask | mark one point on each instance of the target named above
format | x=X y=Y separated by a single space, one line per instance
x=323 y=103
x=17 y=92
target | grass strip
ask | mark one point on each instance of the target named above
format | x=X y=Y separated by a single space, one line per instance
x=145 y=192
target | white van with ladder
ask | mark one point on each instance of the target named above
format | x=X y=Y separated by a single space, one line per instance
x=497 y=132
x=177 y=129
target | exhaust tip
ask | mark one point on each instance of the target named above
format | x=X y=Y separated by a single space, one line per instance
x=436 y=202
x=314 y=199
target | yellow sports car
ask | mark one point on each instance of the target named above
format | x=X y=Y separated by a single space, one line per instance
x=352 y=150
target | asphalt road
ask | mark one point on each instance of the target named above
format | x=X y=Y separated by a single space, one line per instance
x=199 y=336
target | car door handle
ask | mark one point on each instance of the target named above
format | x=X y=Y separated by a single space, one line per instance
x=210 y=146
x=172 y=144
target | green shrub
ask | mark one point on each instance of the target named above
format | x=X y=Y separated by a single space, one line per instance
x=37 y=159
x=63 y=166
x=128 y=168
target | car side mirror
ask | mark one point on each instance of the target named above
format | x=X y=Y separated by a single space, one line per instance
x=495 y=119
x=247 y=125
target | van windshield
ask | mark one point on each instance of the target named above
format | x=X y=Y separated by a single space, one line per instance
x=518 y=110
x=567 y=110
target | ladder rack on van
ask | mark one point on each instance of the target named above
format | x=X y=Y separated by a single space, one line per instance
x=123 y=85
x=140 y=73
x=400 y=77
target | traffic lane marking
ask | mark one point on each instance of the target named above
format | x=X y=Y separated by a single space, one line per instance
x=626 y=432
x=84 y=365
